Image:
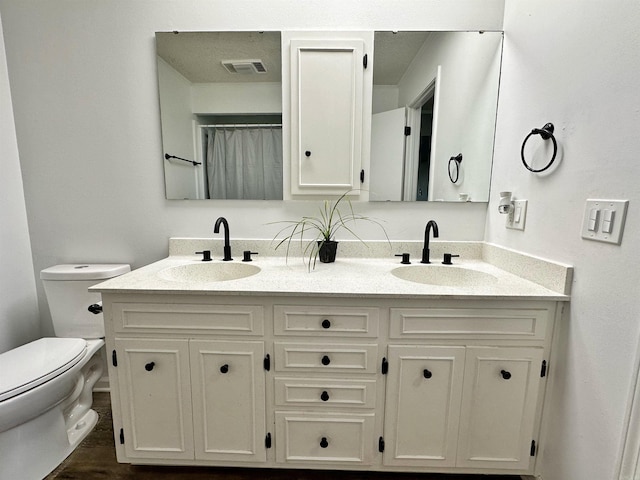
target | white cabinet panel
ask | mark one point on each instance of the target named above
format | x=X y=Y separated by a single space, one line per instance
x=424 y=389
x=309 y=357
x=155 y=396
x=228 y=400
x=498 y=411
x=326 y=320
x=330 y=109
x=324 y=438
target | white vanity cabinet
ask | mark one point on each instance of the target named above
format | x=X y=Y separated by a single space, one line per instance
x=441 y=385
x=195 y=397
x=329 y=79
x=465 y=389
x=326 y=377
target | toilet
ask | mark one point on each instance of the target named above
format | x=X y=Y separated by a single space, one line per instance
x=46 y=385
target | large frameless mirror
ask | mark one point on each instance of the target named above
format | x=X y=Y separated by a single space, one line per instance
x=221 y=114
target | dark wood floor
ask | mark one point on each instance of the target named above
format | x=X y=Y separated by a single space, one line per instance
x=95 y=458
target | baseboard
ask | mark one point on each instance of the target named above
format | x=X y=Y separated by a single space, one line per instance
x=102 y=385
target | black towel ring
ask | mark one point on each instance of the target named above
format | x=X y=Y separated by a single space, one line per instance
x=546 y=133
x=457 y=160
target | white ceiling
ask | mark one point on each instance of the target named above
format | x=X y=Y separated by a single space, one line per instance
x=197 y=55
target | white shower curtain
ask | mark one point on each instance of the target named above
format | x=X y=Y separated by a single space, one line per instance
x=245 y=163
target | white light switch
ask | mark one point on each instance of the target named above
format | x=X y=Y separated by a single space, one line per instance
x=518 y=215
x=594 y=213
x=607 y=220
x=604 y=220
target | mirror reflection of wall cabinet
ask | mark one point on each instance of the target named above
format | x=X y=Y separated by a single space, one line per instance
x=247 y=107
x=330 y=95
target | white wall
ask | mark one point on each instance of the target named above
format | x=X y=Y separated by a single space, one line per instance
x=576 y=64
x=177 y=132
x=241 y=98
x=19 y=316
x=84 y=87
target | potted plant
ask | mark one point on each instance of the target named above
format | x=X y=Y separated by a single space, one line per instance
x=320 y=230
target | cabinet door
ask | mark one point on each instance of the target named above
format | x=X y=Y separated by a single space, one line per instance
x=155 y=394
x=424 y=388
x=499 y=406
x=229 y=400
x=330 y=94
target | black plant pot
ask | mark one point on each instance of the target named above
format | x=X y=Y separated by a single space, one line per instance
x=327 y=250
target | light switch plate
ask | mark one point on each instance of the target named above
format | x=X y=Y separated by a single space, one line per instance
x=518 y=215
x=603 y=220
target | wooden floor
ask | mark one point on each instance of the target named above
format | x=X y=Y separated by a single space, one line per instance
x=95 y=458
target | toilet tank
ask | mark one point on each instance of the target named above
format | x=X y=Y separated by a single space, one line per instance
x=66 y=289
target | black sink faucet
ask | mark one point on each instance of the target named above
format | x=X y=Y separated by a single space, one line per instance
x=227 y=247
x=431 y=224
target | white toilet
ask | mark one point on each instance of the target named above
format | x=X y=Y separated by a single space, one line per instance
x=46 y=385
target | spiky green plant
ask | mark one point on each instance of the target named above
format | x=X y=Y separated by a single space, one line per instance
x=322 y=228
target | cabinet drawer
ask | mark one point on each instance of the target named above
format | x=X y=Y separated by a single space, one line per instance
x=218 y=319
x=325 y=320
x=319 y=438
x=325 y=392
x=325 y=357
x=529 y=324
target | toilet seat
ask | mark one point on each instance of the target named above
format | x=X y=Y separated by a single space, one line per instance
x=35 y=363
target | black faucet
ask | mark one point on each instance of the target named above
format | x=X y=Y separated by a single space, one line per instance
x=431 y=224
x=227 y=247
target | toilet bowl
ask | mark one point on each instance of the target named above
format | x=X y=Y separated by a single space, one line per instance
x=46 y=385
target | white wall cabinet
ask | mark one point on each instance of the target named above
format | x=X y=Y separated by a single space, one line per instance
x=329 y=79
x=339 y=383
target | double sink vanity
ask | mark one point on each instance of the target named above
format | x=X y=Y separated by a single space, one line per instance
x=361 y=364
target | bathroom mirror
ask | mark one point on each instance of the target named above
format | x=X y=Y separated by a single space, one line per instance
x=221 y=114
x=444 y=87
x=226 y=86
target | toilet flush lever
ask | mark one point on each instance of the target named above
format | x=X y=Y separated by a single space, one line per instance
x=96 y=308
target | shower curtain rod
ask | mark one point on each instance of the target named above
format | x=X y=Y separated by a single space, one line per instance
x=239 y=125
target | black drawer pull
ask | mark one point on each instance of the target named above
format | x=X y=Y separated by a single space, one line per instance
x=224 y=368
x=149 y=366
x=427 y=373
x=324 y=443
x=326 y=323
x=326 y=360
x=505 y=374
x=324 y=396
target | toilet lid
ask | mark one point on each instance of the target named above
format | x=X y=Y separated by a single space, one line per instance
x=35 y=363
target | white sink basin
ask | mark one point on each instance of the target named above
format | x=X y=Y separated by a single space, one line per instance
x=444 y=275
x=206 y=272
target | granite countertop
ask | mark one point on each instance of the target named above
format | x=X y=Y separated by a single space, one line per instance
x=347 y=277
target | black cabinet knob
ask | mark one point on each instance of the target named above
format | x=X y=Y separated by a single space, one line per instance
x=307 y=153
x=326 y=360
x=427 y=373
x=149 y=366
x=324 y=396
x=326 y=323
x=324 y=443
x=224 y=368
x=505 y=374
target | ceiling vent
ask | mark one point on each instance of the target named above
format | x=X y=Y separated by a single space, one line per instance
x=245 y=67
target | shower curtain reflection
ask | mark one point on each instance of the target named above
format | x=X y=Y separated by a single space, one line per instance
x=244 y=162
